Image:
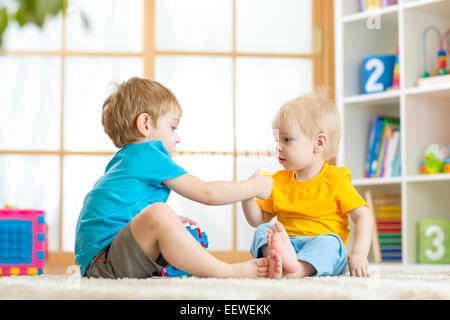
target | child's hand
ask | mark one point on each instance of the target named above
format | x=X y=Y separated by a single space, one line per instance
x=359 y=266
x=263 y=184
x=192 y=222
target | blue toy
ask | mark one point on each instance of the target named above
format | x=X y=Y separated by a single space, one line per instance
x=201 y=237
x=377 y=73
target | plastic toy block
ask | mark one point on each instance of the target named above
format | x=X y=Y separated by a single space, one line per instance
x=201 y=237
x=23 y=242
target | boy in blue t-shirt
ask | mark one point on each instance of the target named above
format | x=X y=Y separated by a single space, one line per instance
x=125 y=229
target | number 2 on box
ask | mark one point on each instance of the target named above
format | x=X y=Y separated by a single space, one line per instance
x=371 y=84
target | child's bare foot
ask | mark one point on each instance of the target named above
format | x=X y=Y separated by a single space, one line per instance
x=262 y=268
x=275 y=265
x=270 y=233
x=280 y=242
x=257 y=268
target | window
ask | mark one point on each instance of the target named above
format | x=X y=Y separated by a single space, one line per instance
x=231 y=64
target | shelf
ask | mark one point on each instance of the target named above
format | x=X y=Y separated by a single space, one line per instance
x=376 y=181
x=360 y=16
x=392 y=95
x=395 y=180
x=387 y=95
x=429 y=177
x=435 y=91
x=431 y=6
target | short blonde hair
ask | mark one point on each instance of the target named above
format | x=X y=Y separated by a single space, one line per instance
x=315 y=113
x=130 y=99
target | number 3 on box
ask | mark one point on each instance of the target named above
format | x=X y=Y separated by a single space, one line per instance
x=437 y=242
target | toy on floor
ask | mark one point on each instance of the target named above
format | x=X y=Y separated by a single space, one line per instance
x=434 y=159
x=442 y=74
x=201 y=237
x=23 y=242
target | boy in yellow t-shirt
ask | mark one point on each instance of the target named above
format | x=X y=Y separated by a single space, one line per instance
x=310 y=198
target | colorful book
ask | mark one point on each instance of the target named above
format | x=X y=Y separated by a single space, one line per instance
x=397 y=168
x=383 y=148
x=369 y=146
x=375 y=4
x=375 y=146
x=388 y=166
x=389 y=125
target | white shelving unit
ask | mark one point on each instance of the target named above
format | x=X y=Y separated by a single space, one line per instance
x=424 y=112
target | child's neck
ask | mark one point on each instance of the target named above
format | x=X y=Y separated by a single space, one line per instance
x=310 y=171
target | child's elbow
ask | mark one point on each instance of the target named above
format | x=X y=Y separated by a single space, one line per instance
x=209 y=196
x=362 y=214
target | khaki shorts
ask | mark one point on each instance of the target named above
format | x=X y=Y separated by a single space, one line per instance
x=124 y=258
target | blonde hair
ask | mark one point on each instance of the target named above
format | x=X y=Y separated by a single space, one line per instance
x=130 y=99
x=315 y=113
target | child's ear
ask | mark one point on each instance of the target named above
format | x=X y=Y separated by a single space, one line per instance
x=143 y=124
x=320 y=143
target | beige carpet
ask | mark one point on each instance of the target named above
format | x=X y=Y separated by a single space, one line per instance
x=390 y=285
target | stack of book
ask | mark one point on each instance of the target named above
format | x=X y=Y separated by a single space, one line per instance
x=383 y=151
x=387 y=233
x=375 y=4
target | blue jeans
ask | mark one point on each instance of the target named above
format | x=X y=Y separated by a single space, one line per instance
x=326 y=253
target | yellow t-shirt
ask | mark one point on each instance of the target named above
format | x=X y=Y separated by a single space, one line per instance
x=314 y=207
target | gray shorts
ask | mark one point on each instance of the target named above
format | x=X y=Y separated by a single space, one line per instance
x=124 y=258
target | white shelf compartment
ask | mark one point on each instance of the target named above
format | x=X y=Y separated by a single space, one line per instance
x=427 y=199
x=357 y=118
x=426 y=122
x=369 y=42
x=418 y=15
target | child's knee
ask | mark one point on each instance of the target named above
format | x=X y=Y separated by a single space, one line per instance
x=329 y=241
x=157 y=214
x=332 y=243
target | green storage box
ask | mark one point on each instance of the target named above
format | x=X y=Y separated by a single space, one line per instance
x=434 y=241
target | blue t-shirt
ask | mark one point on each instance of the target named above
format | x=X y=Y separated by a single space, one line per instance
x=132 y=181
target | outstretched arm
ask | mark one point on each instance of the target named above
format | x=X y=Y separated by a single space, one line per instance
x=221 y=192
